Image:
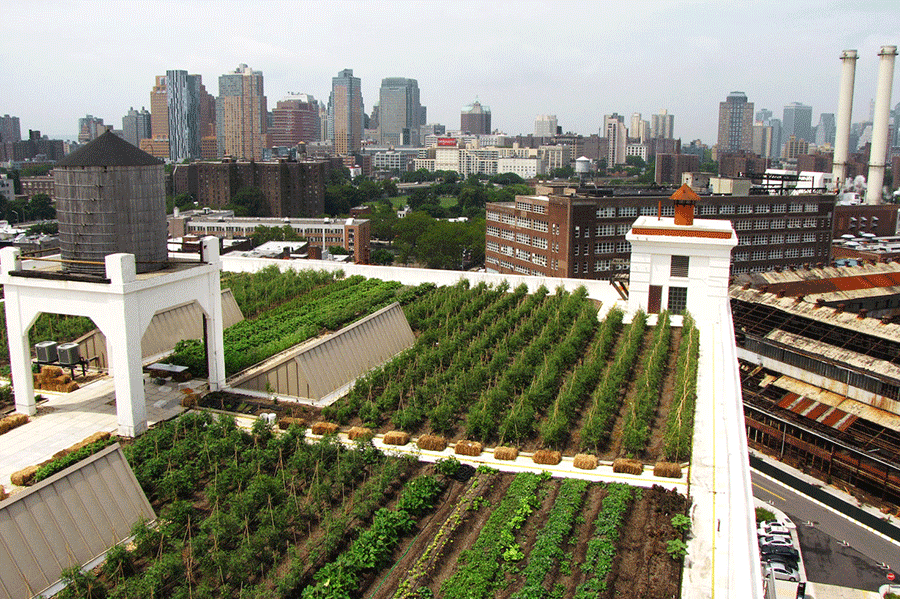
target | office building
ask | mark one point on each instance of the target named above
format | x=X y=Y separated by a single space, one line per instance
x=568 y=232
x=763 y=115
x=295 y=119
x=617 y=139
x=291 y=189
x=798 y=122
x=794 y=147
x=90 y=128
x=475 y=119
x=545 y=125
x=136 y=126
x=640 y=129
x=662 y=125
x=345 y=113
x=183 y=104
x=399 y=112
x=776 y=137
x=762 y=140
x=826 y=130
x=10 y=130
x=735 y=123
x=158 y=143
x=671 y=167
x=241 y=114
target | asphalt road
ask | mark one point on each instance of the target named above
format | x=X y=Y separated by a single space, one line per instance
x=835 y=549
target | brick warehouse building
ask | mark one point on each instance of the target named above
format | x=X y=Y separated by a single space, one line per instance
x=583 y=235
x=292 y=189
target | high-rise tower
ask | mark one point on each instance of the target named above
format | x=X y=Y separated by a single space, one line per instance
x=399 y=111
x=241 y=114
x=183 y=102
x=735 y=123
x=136 y=126
x=475 y=119
x=345 y=112
x=295 y=119
x=798 y=122
x=662 y=125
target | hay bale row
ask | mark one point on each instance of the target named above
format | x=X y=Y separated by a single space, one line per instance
x=547 y=456
x=396 y=438
x=506 y=453
x=585 y=461
x=324 y=428
x=190 y=400
x=98 y=436
x=469 y=448
x=285 y=422
x=23 y=477
x=56 y=384
x=12 y=421
x=49 y=373
x=360 y=432
x=3 y=493
x=628 y=466
x=667 y=470
x=432 y=443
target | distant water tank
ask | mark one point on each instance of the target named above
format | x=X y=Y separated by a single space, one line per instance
x=110 y=198
x=582 y=165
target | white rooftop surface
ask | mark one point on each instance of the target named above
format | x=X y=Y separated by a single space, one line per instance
x=701 y=225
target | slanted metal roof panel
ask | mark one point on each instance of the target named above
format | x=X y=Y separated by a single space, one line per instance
x=67 y=520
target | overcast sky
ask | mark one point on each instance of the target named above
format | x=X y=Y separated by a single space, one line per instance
x=577 y=60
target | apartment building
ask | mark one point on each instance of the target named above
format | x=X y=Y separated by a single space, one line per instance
x=581 y=233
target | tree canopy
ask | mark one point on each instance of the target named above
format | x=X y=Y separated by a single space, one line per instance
x=249 y=201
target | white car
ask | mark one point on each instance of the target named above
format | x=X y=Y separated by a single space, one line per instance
x=769 y=529
x=783 y=572
x=775 y=541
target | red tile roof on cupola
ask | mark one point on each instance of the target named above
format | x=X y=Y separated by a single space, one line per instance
x=685 y=193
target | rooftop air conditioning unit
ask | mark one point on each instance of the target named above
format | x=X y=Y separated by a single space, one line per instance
x=68 y=354
x=46 y=351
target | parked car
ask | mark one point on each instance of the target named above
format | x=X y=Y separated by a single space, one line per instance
x=779 y=550
x=788 y=562
x=771 y=529
x=782 y=572
x=776 y=540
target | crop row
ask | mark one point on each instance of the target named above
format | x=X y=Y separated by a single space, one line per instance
x=549 y=545
x=645 y=398
x=601 y=549
x=604 y=405
x=339 y=579
x=260 y=291
x=478 y=568
x=680 y=423
x=555 y=429
x=557 y=358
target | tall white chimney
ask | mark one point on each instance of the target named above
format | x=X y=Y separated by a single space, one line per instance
x=878 y=152
x=845 y=111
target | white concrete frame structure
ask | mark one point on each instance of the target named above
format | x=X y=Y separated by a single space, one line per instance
x=122 y=309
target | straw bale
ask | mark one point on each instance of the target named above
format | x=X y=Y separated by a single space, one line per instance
x=396 y=438
x=667 y=469
x=23 y=477
x=360 y=432
x=547 y=456
x=506 y=453
x=62 y=379
x=3 y=493
x=628 y=466
x=189 y=401
x=324 y=428
x=432 y=442
x=286 y=422
x=585 y=461
x=69 y=387
x=50 y=372
x=470 y=448
x=12 y=421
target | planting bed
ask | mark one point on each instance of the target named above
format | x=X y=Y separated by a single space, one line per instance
x=503 y=367
x=264 y=515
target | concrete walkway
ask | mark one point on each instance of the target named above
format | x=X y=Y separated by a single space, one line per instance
x=67 y=418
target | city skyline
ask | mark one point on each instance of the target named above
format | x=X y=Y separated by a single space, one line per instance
x=580 y=68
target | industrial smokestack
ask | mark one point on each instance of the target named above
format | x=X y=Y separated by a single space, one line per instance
x=880 y=124
x=845 y=111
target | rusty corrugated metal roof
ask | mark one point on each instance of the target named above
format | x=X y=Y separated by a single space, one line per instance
x=67 y=520
x=829 y=399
